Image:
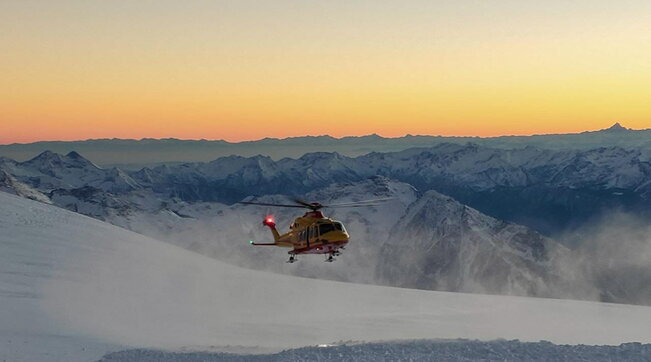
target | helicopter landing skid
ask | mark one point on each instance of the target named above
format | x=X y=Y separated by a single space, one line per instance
x=331 y=256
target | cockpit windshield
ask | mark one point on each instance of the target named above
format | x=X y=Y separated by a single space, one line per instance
x=326 y=228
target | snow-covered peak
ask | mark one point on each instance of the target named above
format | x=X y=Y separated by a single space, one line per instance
x=52 y=163
x=617 y=127
x=376 y=187
x=223 y=167
x=80 y=160
x=321 y=160
x=49 y=159
x=47 y=155
x=116 y=180
x=49 y=171
x=433 y=208
x=442 y=244
x=145 y=175
x=46 y=159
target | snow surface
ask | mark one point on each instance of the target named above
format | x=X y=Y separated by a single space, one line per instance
x=73 y=288
x=412 y=351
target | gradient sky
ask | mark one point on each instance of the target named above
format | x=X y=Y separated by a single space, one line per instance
x=239 y=70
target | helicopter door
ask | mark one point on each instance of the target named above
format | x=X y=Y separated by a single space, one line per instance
x=311 y=235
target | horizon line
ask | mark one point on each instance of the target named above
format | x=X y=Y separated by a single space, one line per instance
x=616 y=125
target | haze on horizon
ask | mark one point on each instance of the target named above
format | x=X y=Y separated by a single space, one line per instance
x=246 y=70
x=616 y=125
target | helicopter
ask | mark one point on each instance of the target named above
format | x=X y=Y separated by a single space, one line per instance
x=312 y=233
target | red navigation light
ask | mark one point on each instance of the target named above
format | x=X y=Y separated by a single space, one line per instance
x=269 y=221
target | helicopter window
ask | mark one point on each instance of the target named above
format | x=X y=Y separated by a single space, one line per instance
x=326 y=228
x=339 y=226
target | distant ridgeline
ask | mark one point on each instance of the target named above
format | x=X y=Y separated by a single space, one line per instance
x=148 y=152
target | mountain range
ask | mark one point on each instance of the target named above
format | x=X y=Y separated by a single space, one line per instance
x=452 y=223
x=134 y=154
x=553 y=192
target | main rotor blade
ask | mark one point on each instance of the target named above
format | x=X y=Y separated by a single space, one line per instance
x=358 y=205
x=316 y=206
x=268 y=204
x=304 y=203
x=362 y=202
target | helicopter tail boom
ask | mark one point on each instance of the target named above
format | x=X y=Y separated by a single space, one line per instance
x=262 y=244
x=271 y=223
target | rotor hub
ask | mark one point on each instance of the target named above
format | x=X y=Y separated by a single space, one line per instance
x=315 y=214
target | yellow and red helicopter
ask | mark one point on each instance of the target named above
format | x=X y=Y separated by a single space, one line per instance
x=311 y=233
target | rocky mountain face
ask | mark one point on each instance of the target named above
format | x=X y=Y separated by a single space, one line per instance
x=550 y=191
x=443 y=245
x=9 y=184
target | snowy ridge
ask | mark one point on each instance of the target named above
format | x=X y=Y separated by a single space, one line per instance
x=74 y=288
x=476 y=167
x=443 y=245
x=49 y=171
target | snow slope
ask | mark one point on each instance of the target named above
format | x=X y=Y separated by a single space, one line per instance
x=73 y=288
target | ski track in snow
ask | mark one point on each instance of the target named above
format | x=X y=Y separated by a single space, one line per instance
x=73 y=289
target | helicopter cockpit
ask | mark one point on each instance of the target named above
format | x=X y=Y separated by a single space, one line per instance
x=320 y=229
x=326 y=227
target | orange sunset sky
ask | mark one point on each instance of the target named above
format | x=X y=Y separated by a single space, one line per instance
x=240 y=70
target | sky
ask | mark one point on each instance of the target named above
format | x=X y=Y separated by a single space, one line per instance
x=242 y=70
